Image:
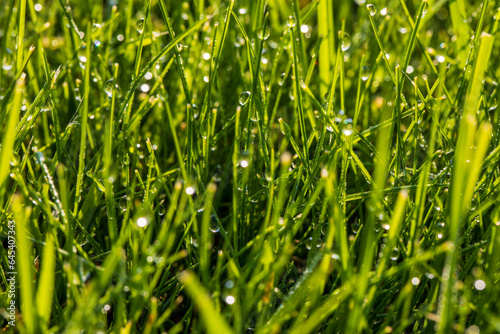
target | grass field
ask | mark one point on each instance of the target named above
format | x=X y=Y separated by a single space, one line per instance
x=268 y=166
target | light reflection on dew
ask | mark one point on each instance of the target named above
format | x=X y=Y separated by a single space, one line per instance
x=142 y=222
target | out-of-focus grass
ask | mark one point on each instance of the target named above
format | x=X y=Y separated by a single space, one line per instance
x=251 y=166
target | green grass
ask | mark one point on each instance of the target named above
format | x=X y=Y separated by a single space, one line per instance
x=242 y=166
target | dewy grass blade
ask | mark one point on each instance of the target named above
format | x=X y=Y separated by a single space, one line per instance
x=327 y=49
x=24 y=261
x=152 y=62
x=212 y=320
x=464 y=154
x=138 y=211
x=44 y=295
x=300 y=106
x=84 y=118
x=8 y=140
x=20 y=34
x=142 y=23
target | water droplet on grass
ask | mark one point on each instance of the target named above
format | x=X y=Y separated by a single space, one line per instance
x=108 y=88
x=140 y=26
x=440 y=230
x=291 y=22
x=48 y=106
x=161 y=210
x=309 y=243
x=425 y=9
x=244 y=97
x=355 y=228
x=123 y=203
x=371 y=9
x=196 y=111
x=313 y=52
x=263 y=34
x=365 y=73
x=213 y=227
x=346 y=42
x=347 y=127
x=82 y=53
x=126 y=160
x=281 y=79
x=395 y=254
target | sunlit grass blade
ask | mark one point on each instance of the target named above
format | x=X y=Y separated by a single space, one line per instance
x=45 y=289
x=212 y=320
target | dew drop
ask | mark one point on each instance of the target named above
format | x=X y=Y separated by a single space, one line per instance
x=440 y=230
x=371 y=9
x=196 y=110
x=108 y=88
x=313 y=52
x=355 y=228
x=82 y=53
x=394 y=254
x=263 y=34
x=48 y=106
x=123 y=203
x=291 y=22
x=140 y=25
x=281 y=79
x=365 y=73
x=425 y=9
x=213 y=227
x=346 y=42
x=161 y=210
x=347 y=129
x=244 y=97
x=126 y=159
x=309 y=243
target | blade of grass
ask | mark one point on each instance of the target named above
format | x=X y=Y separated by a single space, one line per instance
x=213 y=321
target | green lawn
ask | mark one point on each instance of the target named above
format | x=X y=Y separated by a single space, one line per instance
x=267 y=166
